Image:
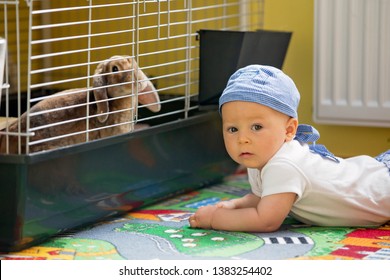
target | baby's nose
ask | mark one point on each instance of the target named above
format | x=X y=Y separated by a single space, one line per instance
x=242 y=139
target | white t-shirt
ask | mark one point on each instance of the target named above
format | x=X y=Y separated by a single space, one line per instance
x=353 y=192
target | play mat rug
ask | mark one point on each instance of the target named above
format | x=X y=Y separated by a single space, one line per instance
x=162 y=231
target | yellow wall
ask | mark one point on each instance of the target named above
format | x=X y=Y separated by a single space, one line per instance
x=298 y=16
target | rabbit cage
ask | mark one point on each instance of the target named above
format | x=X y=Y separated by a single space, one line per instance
x=165 y=145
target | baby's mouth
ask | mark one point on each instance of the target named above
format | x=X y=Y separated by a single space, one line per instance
x=245 y=154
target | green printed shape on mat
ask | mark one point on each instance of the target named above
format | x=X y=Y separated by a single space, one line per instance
x=180 y=202
x=326 y=239
x=86 y=249
x=199 y=242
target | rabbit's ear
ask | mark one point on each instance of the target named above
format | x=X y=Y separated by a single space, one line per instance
x=147 y=93
x=99 y=93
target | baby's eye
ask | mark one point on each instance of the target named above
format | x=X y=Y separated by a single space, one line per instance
x=232 y=129
x=256 y=127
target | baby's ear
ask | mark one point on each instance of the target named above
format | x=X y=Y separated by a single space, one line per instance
x=291 y=129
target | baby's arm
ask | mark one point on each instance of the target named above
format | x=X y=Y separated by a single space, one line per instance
x=267 y=216
x=249 y=200
x=202 y=217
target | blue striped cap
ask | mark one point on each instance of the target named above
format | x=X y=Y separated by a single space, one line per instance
x=265 y=85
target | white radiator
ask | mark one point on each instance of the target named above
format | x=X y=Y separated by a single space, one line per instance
x=352 y=62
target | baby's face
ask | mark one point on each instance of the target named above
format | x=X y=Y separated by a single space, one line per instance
x=253 y=133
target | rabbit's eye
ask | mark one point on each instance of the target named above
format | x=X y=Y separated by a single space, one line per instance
x=115 y=69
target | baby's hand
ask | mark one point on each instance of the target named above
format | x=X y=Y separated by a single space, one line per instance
x=228 y=204
x=203 y=217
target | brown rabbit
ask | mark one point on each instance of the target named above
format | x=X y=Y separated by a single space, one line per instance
x=112 y=102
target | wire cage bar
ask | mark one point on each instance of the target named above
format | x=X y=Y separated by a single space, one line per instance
x=54 y=46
